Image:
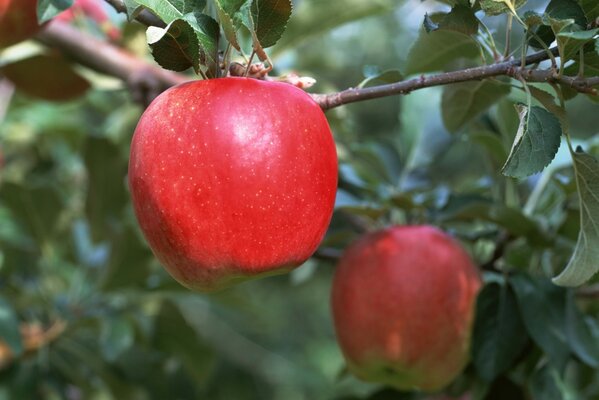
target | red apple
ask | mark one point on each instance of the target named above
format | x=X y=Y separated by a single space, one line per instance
x=403 y=305
x=18 y=21
x=232 y=178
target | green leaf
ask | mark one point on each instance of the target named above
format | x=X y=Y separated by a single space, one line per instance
x=48 y=9
x=547 y=100
x=499 y=335
x=469 y=208
x=433 y=51
x=580 y=335
x=543 y=308
x=174 y=335
x=536 y=142
x=106 y=189
x=37 y=208
x=175 y=47
x=496 y=7
x=270 y=19
x=171 y=10
x=132 y=8
x=229 y=15
x=556 y=11
x=460 y=19
x=462 y=102
x=313 y=18
x=116 y=336
x=491 y=141
x=9 y=327
x=384 y=78
x=128 y=264
x=543 y=384
x=585 y=260
x=590 y=8
x=188 y=42
x=571 y=42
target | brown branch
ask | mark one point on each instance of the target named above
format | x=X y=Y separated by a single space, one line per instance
x=145 y=80
x=507 y=68
x=589 y=292
x=148 y=80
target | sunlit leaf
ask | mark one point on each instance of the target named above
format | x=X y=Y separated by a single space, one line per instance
x=536 y=143
x=585 y=260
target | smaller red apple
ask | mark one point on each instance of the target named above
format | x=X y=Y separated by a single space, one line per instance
x=403 y=306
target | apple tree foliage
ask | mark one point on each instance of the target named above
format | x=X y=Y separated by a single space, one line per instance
x=506 y=166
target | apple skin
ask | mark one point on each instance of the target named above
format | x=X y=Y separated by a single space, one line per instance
x=403 y=303
x=18 y=21
x=231 y=179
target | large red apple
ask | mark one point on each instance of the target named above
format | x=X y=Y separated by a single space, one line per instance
x=403 y=305
x=18 y=21
x=232 y=178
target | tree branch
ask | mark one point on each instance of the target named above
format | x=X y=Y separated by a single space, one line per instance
x=148 y=80
x=510 y=68
x=145 y=80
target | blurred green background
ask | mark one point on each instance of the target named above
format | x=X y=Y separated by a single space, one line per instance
x=75 y=271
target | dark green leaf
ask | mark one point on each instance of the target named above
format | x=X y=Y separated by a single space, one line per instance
x=174 y=335
x=572 y=41
x=433 y=51
x=270 y=19
x=543 y=308
x=536 y=142
x=499 y=335
x=491 y=141
x=188 y=42
x=128 y=264
x=590 y=8
x=175 y=47
x=9 y=327
x=462 y=102
x=547 y=100
x=543 y=384
x=314 y=18
x=48 y=9
x=229 y=15
x=556 y=11
x=585 y=260
x=470 y=208
x=37 y=208
x=106 y=189
x=580 y=336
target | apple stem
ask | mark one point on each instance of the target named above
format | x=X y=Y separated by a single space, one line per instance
x=249 y=63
